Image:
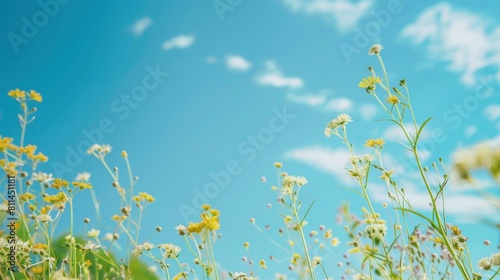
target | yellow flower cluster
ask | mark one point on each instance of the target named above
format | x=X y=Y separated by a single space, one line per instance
x=58 y=183
x=143 y=196
x=21 y=95
x=374 y=143
x=369 y=83
x=82 y=185
x=209 y=221
x=59 y=198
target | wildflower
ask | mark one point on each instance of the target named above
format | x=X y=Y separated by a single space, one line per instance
x=106 y=149
x=108 y=236
x=340 y=120
x=360 y=276
x=316 y=261
x=42 y=177
x=335 y=241
x=181 y=229
x=278 y=164
x=495 y=259
x=58 y=183
x=246 y=244
x=369 y=83
x=93 y=233
x=82 y=185
x=375 y=143
x=93 y=148
x=485 y=263
x=262 y=264
x=375 y=49
x=39 y=248
x=33 y=95
x=90 y=246
x=60 y=197
x=171 y=251
x=158 y=228
x=84 y=177
x=124 y=154
x=393 y=99
x=17 y=93
x=26 y=197
x=375 y=231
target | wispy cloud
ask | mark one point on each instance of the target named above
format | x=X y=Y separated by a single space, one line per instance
x=179 y=42
x=344 y=13
x=458 y=204
x=470 y=130
x=465 y=40
x=140 y=26
x=312 y=100
x=272 y=76
x=237 y=63
x=341 y=104
x=325 y=159
x=492 y=112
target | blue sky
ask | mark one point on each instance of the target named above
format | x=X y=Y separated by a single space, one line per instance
x=185 y=87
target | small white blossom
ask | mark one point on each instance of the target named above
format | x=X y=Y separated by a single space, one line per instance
x=83 y=177
x=171 y=251
x=42 y=177
x=484 y=263
x=106 y=149
x=495 y=259
x=44 y=218
x=375 y=231
x=375 y=49
x=93 y=233
x=93 y=148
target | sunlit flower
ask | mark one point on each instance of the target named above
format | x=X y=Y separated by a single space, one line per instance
x=17 y=93
x=375 y=231
x=84 y=177
x=33 y=95
x=369 y=82
x=375 y=49
x=171 y=250
x=393 y=99
x=485 y=263
x=42 y=177
x=93 y=233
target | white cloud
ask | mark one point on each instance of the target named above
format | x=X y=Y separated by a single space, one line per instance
x=272 y=76
x=311 y=100
x=492 y=112
x=341 y=104
x=464 y=39
x=140 y=26
x=325 y=159
x=368 y=111
x=345 y=13
x=180 y=42
x=455 y=203
x=237 y=63
x=470 y=130
x=395 y=133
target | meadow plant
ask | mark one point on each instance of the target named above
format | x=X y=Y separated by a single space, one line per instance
x=416 y=245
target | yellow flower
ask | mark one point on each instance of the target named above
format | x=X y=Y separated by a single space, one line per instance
x=211 y=223
x=33 y=95
x=124 y=154
x=215 y=212
x=393 y=99
x=17 y=93
x=37 y=269
x=369 y=83
x=335 y=241
x=146 y=196
x=82 y=185
x=194 y=227
x=278 y=164
x=262 y=264
x=58 y=183
x=55 y=199
x=205 y=207
x=179 y=276
x=41 y=157
x=5 y=143
x=375 y=142
x=246 y=244
x=26 y=196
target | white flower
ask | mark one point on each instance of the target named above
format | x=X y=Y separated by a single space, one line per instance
x=90 y=246
x=171 y=251
x=495 y=259
x=106 y=149
x=69 y=239
x=83 y=177
x=243 y=276
x=316 y=260
x=181 y=229
x=376 y=231
x=93 y=148
x=340 y=120
x=360 y=276
x=108 y=236
x=42 y=177
x=44 y=218
x=375 y=49
x=147 y=246
x=93 y=233
x=485 y=263
x=368 y=157
x=328 y=132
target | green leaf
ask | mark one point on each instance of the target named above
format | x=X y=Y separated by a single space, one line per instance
x=433 y=225
x=420 y=130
